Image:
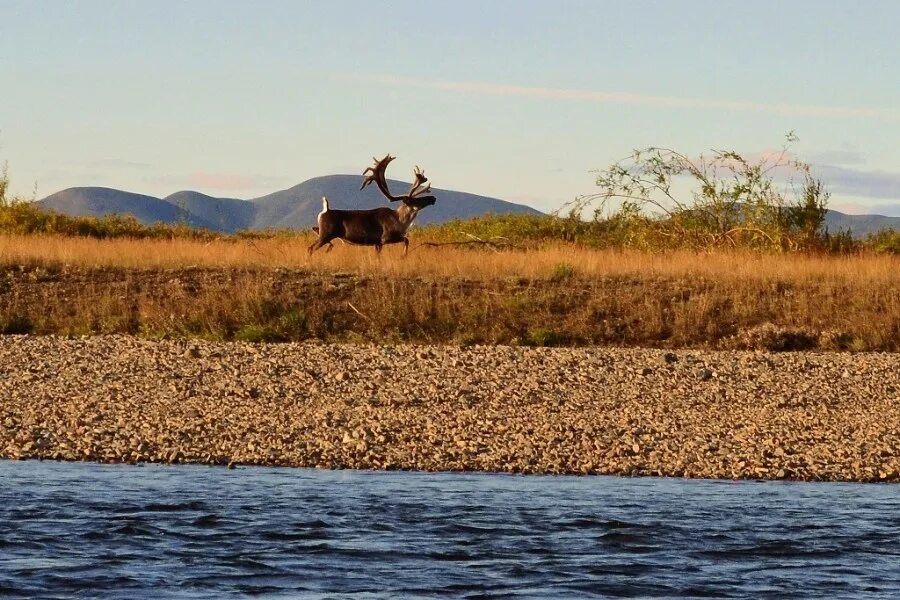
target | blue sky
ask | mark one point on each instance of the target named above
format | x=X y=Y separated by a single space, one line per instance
x=514 y=99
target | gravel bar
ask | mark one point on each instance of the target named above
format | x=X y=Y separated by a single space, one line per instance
x=809 y=416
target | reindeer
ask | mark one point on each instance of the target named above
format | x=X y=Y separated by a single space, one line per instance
x=376 y=226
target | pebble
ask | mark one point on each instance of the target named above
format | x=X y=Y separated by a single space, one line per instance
x=817 y=416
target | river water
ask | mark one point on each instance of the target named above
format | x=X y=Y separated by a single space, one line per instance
x=117 y=531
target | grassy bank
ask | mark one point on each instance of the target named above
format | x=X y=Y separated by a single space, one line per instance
x=268 y=290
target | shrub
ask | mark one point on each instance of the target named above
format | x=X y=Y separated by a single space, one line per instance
x=540 y=336
x=16 y=324
x=562 y=271
x=734 y=201
x=21 y=216
x=885 y=241
x=257 y=334
x=774 y=338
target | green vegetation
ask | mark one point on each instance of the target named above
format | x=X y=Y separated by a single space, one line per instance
x=628 y=229
x=730 y=200
x=21 y=216
x=886 y=241
x=257 y=334
x=24 y=218
x=655 y=200
x=659 y=199
x=562 y=272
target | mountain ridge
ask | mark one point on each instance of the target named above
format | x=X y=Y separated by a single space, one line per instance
x=97 y=201
x=296 y=207
x=292 y=208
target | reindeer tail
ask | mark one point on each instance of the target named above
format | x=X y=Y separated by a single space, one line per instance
x=324 y=210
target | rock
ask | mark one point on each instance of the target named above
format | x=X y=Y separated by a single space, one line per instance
x=522 y=410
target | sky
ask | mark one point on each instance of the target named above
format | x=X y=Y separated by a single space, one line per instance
x=515 y=99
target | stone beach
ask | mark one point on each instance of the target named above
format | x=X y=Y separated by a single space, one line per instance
x=683 y=413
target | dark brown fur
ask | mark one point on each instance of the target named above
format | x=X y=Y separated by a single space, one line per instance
x=373 y=227
x=376 y=226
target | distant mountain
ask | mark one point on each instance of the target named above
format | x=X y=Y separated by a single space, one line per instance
x=97 y=201
x=297 y=207
x=223 y=214
x=293 y=208
x=859 y=225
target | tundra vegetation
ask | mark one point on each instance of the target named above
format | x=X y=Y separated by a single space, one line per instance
x=717 y=251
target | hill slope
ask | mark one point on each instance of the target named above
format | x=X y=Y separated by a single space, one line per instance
x=298 y=206
x=859 y=225
x=224 y=214
x=293 y=208
x=98 y=201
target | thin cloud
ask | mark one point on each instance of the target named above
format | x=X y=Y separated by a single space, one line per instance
x=494 y=89
x=838 y=157
x=844 y=180
x=855 y=182
x=852 y=208
x=839 y=179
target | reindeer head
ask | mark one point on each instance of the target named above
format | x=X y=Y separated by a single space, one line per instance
x=376 y=226
x=416 y=198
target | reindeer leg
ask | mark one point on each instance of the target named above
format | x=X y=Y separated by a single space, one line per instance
x=405 y=245
x=329 y=247
x=318 y=244
x=313 y=247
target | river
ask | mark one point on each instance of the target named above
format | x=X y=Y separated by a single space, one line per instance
x=118 y=531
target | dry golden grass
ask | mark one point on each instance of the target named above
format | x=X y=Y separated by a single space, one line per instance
x=447 y=261
x=271 y=290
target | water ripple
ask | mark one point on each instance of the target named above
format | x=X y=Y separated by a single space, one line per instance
x=119 y=531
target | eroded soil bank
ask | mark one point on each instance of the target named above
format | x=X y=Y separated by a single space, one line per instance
x=814 y=416
x=275 y=304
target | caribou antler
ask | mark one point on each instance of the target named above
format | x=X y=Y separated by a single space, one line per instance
x=420 y=182
x=375 y=226
x=375 y=174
